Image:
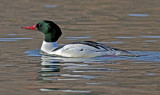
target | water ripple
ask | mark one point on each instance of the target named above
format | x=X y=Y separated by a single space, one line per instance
x=50 y=6
x=13 y=39
x=70 y=91
x=138 y=15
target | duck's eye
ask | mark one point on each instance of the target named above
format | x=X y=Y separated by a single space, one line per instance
x=39 y=25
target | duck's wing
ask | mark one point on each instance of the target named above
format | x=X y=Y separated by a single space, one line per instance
x=98 y=46
x=87 y=49
x=108 y=49
x=88 y=44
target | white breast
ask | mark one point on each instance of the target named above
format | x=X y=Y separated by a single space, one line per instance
x=48 y=46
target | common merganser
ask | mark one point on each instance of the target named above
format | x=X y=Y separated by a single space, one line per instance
x=52 y=32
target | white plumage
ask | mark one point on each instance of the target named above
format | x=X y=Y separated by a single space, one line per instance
x=80 y=49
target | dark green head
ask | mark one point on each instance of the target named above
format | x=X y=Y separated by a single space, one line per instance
x=51 y=30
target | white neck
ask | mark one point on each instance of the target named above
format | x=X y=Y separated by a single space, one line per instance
x=48 y=46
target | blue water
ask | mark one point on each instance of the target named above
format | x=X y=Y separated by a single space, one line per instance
x=138 y=15
x=125 y=37
x=150 y=36
x=13 y=39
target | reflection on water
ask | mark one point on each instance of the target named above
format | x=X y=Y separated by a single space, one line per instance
x=125 y=37
x=13 y=39
x=140 y=36
x=12 y=34
x=151 y=36
x=50 y=6
x=71 y=91
x=138 y=15
x=150 y=41
x=65 y=72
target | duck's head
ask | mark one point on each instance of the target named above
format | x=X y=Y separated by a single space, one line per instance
x=51 y=30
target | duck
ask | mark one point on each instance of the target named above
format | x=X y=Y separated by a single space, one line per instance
x=52 y=33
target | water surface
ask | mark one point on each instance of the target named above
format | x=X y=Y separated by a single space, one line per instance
x=93 y=72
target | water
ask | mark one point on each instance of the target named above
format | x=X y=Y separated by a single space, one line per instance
x=76 y=38
x=131 y=25
x=138 y=15
x=50 y=6
x=125 y=37
x=93 y=72
x=70 y=91
x=151 y=36
x=113 y=42
x=13 y=39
